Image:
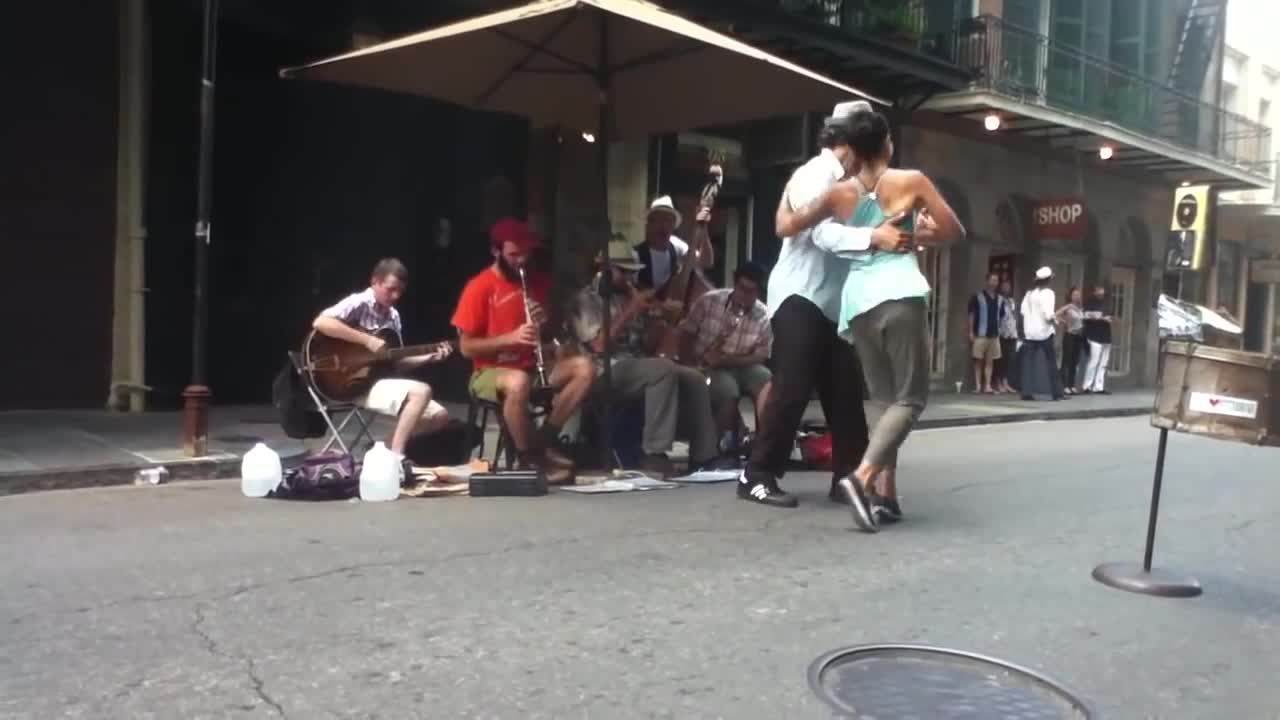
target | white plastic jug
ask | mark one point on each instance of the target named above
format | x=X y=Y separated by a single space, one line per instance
x=260 y=471
x=380 y=475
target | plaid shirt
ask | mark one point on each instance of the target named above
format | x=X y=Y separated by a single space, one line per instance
x=713 y=317
x=362 y=312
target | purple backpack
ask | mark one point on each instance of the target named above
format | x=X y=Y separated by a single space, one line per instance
x=332 y=475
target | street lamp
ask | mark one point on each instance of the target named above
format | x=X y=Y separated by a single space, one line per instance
x=195 y=397
x=1106 y=151
x=992 y=122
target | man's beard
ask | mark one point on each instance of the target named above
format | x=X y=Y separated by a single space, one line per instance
x=507 y=270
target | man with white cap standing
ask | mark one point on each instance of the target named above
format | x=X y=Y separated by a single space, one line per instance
x=661 y=252
x=804 y=305
x=1036 y=359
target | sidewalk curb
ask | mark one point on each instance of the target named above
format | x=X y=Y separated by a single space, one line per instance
x=1041 y=416
x=219 y=468
x=229 y=467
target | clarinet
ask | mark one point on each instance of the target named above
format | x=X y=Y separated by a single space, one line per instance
x=528 y=314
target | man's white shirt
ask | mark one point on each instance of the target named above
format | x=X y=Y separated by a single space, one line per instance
x=1037 y=314
x=661 y=260
x=807 y=263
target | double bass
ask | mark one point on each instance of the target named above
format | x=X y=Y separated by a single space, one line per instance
x=688 y=283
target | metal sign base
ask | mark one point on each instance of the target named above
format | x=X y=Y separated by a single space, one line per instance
x=1141 y=578
x=1147 y=581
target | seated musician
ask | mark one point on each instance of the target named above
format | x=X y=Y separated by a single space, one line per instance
x=661 y=252
x=673 y=394
x=727 y=333
x=356 y=319
x=498 y=336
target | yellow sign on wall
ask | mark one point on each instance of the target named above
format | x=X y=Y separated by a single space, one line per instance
x=1191 y=239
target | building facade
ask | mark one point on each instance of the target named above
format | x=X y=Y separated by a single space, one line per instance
x=1099 y=110
x=1247 y=267
x=312 y=183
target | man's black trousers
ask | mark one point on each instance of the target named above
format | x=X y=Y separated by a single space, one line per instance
x=808 y=353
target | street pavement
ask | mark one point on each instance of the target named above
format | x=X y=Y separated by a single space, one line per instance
x=190 y=601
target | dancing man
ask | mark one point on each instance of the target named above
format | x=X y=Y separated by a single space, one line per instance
x=804 y=305
x=883 y=308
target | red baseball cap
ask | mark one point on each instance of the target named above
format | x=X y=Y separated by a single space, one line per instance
x=510 y=230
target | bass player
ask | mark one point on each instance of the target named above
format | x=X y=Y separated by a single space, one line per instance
x=662 y=252
x=499 y=328
x=356 y=319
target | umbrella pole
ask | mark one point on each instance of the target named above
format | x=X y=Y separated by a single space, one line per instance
x=606 y=274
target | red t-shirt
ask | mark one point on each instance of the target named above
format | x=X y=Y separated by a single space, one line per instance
x=492 y=305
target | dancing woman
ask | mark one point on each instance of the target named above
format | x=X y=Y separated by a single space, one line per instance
x=883 y=309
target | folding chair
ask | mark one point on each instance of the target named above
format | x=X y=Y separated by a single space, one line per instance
x=331 y=410
x=480 y=409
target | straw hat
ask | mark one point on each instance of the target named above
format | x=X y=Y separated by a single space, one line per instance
x=664 y=205
x=622 y=255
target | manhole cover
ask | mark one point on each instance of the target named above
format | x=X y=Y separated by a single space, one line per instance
x=911 y=682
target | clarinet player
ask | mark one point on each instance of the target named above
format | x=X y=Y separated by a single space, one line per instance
x=499 y=318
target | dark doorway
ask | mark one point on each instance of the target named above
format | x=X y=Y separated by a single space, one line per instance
x=1255 y=318
x=313 y=183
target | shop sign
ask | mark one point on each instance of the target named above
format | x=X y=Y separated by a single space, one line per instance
x=1059 y=219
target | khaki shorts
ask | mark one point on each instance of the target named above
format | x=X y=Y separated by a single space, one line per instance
x=484 y=382
x=986 y=348
x=386 y=397
x=729 y=384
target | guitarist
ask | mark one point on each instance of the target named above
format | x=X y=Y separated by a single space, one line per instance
x=499 y=336
x=356 y=319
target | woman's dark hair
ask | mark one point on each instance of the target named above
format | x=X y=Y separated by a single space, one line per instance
x=868 y=132
x=835 y=131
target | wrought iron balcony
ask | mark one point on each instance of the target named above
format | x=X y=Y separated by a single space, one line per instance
x=1030 y=67
x=905 y=23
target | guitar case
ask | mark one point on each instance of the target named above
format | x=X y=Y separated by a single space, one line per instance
x=298 y=418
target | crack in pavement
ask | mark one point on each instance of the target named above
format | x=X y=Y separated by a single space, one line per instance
x=250 y=667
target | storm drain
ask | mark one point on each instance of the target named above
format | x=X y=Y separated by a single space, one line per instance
x=913 y=682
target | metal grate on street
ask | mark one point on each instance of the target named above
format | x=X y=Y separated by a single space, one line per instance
x=905 y=682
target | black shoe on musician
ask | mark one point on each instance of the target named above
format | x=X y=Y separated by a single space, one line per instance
x=763 y=488
x=862 y=515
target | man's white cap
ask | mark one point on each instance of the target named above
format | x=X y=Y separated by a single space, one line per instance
x=845 y=109
x=1044 y=273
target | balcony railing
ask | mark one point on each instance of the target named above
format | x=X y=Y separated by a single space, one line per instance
x=901 y=22
x=1027 y=65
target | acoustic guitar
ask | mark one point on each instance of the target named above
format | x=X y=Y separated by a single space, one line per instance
x=343 y=371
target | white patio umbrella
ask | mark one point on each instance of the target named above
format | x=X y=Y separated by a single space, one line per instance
x=617 y=69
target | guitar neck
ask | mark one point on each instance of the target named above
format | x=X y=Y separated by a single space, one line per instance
x=412 y=350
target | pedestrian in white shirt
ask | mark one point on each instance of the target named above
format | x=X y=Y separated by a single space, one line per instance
x=1037 y=363
x=804 y=304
